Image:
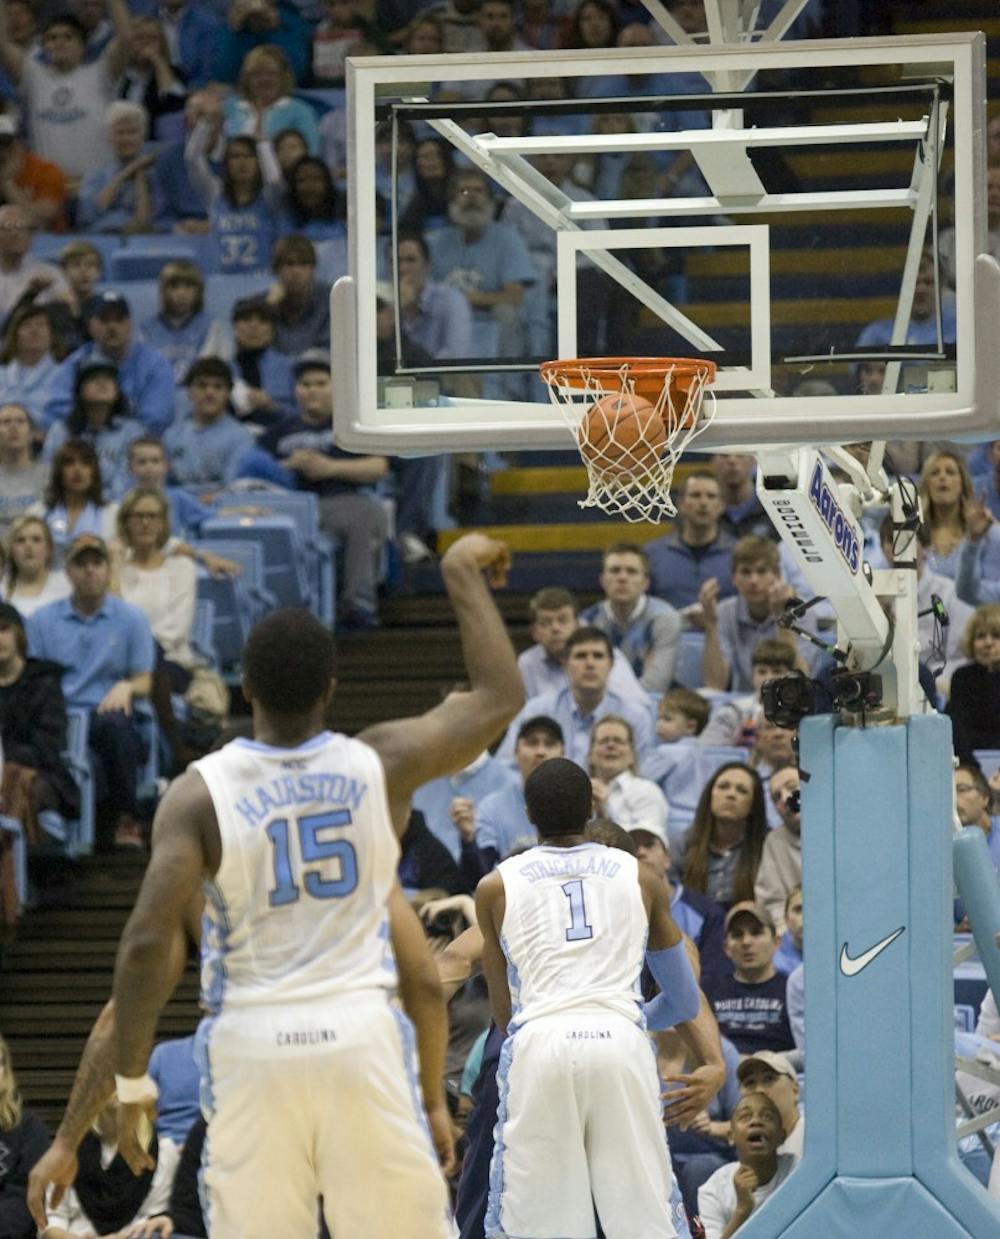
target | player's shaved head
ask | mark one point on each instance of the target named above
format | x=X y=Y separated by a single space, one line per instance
x=289 y=661
x=603 y=830
x=558 y=797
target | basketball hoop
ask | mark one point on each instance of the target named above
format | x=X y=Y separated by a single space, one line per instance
x=632 y=419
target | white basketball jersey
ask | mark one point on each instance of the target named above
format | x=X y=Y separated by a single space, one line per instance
x=298 y=908
x=574 y=930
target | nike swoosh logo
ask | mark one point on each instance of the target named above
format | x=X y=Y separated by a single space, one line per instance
x=851 y=967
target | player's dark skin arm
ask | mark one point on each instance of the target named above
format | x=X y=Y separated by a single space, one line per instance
x=416 y=750
x=423 y=1001
x=491 y=903
x=700 y=1035
x=186 y=848
x=93 y=1085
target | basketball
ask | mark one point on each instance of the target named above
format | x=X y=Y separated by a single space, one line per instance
x=622 y=435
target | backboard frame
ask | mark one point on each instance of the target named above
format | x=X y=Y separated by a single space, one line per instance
x=971 y=411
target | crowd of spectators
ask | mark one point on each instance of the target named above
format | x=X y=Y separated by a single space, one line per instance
x=225 y=121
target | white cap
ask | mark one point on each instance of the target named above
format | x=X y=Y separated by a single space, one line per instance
x=654 y=829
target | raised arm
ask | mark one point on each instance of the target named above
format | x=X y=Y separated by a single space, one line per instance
x=203 y=180
x=715 y=667
x=453 y=734
x=423 y=1001
x=117 y=50
x=11 y=56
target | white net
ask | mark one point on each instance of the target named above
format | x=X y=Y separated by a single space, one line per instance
x=632 y=421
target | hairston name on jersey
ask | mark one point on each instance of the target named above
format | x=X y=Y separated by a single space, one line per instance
x=294 y=789
x=844 y=530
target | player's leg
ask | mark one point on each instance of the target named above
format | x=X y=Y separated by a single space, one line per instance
x=539 y=1187
x=474 y=1185
x=377 y=1168
x=257 y=1177
x=626 y=1145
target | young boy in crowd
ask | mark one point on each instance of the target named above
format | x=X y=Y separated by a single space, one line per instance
x=182 y=330
x=673 y=765
x=208 y=447
x=83 y=269
x=733 y=1193
x=734 y=626
x=555 y=614
x=734 y=722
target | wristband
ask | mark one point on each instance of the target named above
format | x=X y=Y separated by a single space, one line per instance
x=136 y=1089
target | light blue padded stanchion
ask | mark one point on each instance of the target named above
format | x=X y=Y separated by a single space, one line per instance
x=880 y=1159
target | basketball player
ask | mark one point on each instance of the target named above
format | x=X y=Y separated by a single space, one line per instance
x=565 y=927
x=294 y=833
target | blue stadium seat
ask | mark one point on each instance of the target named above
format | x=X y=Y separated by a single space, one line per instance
x=282 y=548
x=143 y=297
x=324 y=99
x=711 y=756
x=147 y=788
x=688 y=669
x=202 y=639
x=238 y=602
x=221 y=291
x=76 y=837
x=145 y=262
x=13 y=827
x=47 y=246
x=989 y=760
x=319 y=550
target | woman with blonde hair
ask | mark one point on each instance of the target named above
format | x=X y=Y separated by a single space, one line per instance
x=262 y=105
x=723 y=845
x=974 y=704
x=24 y=1139
x=31 y=581
x=945 y=492
x=163 y=586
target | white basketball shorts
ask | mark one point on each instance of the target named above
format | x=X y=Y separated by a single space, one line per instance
x=579 y=1121
x=316 y=1100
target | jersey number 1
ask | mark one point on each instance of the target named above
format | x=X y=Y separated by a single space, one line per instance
x=579 y=929
x=313 y=849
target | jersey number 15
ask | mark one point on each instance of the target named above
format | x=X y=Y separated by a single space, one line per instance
x=313 y=850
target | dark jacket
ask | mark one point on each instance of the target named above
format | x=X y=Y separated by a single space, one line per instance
x=425 y=862
x=974 y=706
x=33 y=728
x=20 y=1148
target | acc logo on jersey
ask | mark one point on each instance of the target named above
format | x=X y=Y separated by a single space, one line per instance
x=844 y=531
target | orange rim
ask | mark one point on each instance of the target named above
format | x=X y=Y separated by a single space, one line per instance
x=647 y=374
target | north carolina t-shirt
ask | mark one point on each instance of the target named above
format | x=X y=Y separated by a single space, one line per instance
x=753 y=1016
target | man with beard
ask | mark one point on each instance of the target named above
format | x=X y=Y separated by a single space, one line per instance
x=486 y=261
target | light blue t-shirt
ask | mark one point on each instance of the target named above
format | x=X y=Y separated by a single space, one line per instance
x=115 y=643
x=208 y=455
x=502 y=822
